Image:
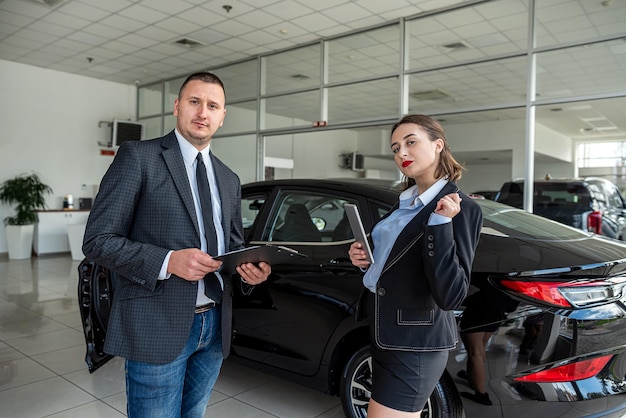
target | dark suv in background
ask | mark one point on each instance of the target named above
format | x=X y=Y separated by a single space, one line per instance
x=591 y=204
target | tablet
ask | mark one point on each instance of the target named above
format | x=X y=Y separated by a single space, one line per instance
x=357 y=229
x=271 y=254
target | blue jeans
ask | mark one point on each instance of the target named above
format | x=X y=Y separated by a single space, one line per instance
x=183 y=387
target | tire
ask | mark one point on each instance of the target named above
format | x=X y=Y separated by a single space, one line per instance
x=356 y=387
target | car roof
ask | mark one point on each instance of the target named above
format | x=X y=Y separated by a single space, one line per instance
x=357 y=185
x=580 y=180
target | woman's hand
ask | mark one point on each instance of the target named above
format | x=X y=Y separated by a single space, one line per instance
x=449 y=205
x=358 y=256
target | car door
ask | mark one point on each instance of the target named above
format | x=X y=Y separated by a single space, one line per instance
x=288 y=321
x=95 y=294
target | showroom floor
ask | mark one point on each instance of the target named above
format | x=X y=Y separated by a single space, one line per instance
x=42 y=369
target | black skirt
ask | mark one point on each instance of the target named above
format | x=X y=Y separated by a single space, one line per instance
x=404 y=380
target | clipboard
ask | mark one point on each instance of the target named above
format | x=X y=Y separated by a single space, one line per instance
x=357 y=229
x=271 y=254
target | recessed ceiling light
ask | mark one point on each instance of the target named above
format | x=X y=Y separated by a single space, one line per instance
x=606 y=128
x=435 y=94
x=579 y=107
x=283 y=31
x=594 y=119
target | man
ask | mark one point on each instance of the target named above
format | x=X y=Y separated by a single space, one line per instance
x=161 y=213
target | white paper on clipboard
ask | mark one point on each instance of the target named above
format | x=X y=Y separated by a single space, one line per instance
x=357 y=229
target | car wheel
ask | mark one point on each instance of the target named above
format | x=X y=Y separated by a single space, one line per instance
x=356 y=387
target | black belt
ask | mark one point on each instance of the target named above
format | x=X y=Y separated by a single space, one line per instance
x=204 y=308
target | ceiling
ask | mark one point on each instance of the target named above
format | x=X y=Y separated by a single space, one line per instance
x=143 y=41
x=134 y=41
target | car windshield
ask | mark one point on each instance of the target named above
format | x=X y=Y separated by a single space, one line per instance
x=503 y=220
x=563 y=193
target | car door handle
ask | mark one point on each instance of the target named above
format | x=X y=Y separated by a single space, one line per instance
x=341 y=265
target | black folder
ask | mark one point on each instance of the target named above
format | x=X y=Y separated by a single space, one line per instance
x=271 y=254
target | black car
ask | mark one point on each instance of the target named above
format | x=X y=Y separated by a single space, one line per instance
x=304 y=325
x=593 y=204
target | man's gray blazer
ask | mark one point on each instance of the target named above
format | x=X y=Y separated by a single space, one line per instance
x=143 y=209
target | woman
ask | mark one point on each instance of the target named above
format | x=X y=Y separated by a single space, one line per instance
x=423 y=252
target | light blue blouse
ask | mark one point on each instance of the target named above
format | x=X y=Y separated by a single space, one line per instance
x=386 y=232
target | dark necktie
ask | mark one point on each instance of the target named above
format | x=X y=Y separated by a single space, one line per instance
x=212 y=286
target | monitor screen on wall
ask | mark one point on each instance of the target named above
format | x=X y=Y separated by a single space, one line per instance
x=125 y=130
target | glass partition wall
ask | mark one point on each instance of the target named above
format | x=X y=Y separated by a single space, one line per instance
x=494 y=72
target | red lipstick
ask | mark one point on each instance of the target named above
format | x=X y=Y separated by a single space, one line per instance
x=406 y=163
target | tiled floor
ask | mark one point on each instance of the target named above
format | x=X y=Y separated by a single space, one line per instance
x=42 y=369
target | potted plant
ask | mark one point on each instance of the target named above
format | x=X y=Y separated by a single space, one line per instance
x=28 y=193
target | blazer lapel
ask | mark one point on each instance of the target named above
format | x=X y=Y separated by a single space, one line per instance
x=225 y=196
x=175 y=164
x=416 y=225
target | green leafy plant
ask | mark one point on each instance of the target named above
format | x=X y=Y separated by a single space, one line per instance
x=28 y=192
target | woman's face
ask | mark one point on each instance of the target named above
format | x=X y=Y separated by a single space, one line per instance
x=416 y=155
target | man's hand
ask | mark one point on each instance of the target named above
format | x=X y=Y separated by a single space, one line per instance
x=192 y=264
x=253 y=274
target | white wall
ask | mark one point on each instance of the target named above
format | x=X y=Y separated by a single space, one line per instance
x=552 y=143
x=485 y=177
x=509 y=135
x=315 y=154
x=50 y=126
x=238 y=153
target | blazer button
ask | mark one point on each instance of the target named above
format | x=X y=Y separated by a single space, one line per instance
x=430 y=237
x=431 y=253
x=381 y=291
x=431 y=245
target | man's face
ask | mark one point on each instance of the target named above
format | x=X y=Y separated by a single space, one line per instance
x=200 y=111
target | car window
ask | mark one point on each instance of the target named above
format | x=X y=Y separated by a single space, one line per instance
x=614 y=197
x=308 y=217
x=563 y=193
x=379 y=210
x=511 y=194
x=250 y=208
x=503 y=220
x=598 y=196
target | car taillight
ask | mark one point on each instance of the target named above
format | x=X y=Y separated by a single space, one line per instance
x=568 y=372
x=594 y=222
x=578 y=294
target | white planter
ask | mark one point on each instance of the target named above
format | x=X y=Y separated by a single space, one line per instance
x=20 y=241
x=75 y=233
